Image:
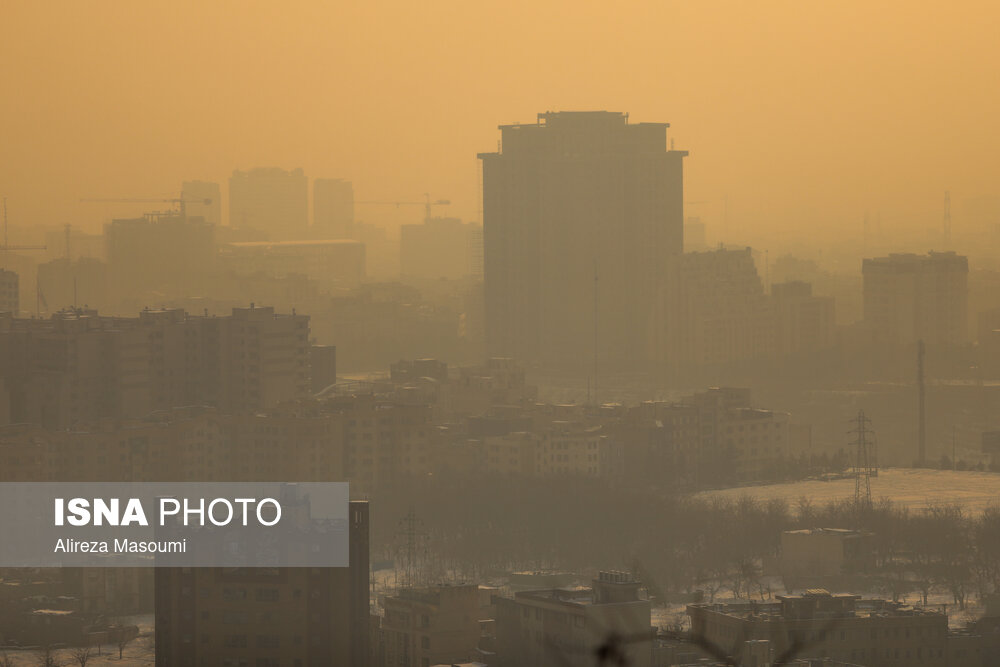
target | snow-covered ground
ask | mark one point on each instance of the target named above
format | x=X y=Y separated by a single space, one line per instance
x=913 y=488
x=138 y=652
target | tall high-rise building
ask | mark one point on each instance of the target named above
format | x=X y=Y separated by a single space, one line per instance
x=333 y=208
x=582 y=212
x=294 y=616
x=917 y=297
x=270 y=201
x=203 y=199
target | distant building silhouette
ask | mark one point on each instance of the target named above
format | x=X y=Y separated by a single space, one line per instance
x=329 y=262
x=439 y=248
x=203 y=199
x=805 y=323
x=574 y=197
x=715 y=311
x=917 y=297
x=333 y=208
x=157 y=252
x=10 y=298
x=270 y=201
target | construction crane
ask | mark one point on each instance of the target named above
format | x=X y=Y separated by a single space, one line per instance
x=7 y=246
x=180 y=201
x=427 y=204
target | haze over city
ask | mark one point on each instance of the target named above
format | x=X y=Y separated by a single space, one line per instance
x=645 y=334
x=801 y=116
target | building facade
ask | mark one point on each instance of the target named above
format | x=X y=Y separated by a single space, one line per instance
x=81 y=366
x=911 y=297
x=430 y=626
x=267 y=617
x=559 y=626
x=877 y=633
x=10 y=296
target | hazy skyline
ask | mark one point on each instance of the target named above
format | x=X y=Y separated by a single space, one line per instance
x=803 y=115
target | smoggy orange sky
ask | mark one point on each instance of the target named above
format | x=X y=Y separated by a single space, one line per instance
x=801 y=114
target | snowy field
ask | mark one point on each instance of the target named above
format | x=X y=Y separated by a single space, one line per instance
x=138 y=652
x=908 y=487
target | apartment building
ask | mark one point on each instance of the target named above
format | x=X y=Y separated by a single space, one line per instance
x=383 y=439
x=910 y=297
x=714 y=310
x=192 y=444
x=81 y=366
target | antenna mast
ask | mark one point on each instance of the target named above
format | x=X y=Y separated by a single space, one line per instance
x=865 y=462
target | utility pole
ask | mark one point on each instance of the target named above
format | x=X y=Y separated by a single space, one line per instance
x=922 y=415
x=947 y=219
x=596 y=401
x=954 y=462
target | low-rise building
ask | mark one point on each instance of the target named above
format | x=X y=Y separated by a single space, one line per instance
x=876 y=633
x=814 y=557
x=571 y=625
x=429 y=626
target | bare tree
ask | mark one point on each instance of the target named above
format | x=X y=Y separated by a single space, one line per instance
x=123 y=639
x=81 y=655
x=45 y=656
x=6 y=660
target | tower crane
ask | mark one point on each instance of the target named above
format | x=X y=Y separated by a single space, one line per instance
x=179 y=201
x=7 y=247
x=427 y=204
